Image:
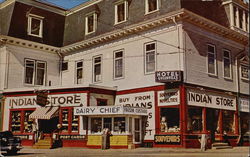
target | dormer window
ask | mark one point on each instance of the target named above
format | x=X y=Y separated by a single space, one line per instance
x=151 y=6
x=90 y=23
x=35 y=25
x=121 y=11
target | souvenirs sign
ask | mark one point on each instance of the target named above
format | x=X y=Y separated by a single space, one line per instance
x=211 y=100
x=169 y=97
x=244 y=105
x=173 y=139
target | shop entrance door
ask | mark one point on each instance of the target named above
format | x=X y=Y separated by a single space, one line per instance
x=137 y=131
x=47 y=126
x=212 y=122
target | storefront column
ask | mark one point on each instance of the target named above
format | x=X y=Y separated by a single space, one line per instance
x=183 y=113
x=221 y=124
x=204 y=121
x=236 y=122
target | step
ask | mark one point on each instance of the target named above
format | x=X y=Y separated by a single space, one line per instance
x=219 y=144
x=222 y=147
x=44 y=142
x=41 y=147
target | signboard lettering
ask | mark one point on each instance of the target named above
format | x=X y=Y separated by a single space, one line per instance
x=168 y=139
x=244 y=105
x=168 y=76
x=62 y=99
x=141 y=100
x=168 y=97
x=212 y=100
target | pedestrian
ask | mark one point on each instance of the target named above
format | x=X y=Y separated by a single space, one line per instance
x=203 y=140
x=35 y=130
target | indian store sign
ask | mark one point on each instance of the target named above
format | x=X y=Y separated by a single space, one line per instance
x=141 y=100
x=109 y=110
x=244 y=105
x=169 y=97
x=74 y=99
x=211 y=100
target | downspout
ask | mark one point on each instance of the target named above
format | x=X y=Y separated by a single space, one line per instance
x=238 y=86
x=60 y=65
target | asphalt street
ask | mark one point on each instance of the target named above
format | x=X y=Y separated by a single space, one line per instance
x=139 y=152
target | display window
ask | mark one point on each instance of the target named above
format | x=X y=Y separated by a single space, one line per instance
x=244 y=123
x=114 y=124
x=69 y=122
x=20 y=121
x=194 y=123
x=119 y=124
x=228 y=122
x=167 y=122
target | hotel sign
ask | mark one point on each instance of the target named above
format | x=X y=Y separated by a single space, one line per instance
x=174 y=139
x=168 y=76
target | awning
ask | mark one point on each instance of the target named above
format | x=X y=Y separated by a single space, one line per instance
x=45 y=112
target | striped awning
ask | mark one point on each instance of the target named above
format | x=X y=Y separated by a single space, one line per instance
x=45 y=113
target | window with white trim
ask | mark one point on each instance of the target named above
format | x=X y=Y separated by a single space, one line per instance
x=35 y=25
x=35 y=72
x=97 y=64
x=227 y=64
x=79 y=72
x=244 y=71
x=150 y=57
x=90 y=23
x=151 y=6
x=118 y=64
x=121 y=11
x=211 y=60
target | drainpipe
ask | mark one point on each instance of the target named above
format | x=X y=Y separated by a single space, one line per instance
x=60 y=65
x=238 y=85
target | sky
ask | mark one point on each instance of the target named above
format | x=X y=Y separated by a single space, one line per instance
x=67 y=4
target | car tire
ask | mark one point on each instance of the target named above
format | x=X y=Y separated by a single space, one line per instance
x=12 y=152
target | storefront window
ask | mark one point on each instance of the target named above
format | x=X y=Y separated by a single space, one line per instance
x=27 y=122
x=167 y=122
x=70 y=122
x=228 y=121
x=107 y=123
x=194 y=119
x=244 y=123
x=16 y=121
x=65 y=122
x=119 y=124
x=96 y=125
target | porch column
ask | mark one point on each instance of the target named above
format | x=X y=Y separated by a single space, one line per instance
x=231 y=15
x=237 y=17
x=244 y=20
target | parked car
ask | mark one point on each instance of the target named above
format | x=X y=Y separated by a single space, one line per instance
x=9 y=143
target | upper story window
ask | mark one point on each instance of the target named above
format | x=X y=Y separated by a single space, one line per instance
x=121 y=11
x=211 y=60
x=79 y=72
x=97 y=68
x=227 y=64
x=151 y=6
x=35 y=72
x=118 y=64
x=244 y=69
x=90 y=23
x=150 y=59
x=35 y=25
x=64 y=66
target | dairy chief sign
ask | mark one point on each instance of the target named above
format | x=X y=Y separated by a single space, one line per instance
x=211 y=100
